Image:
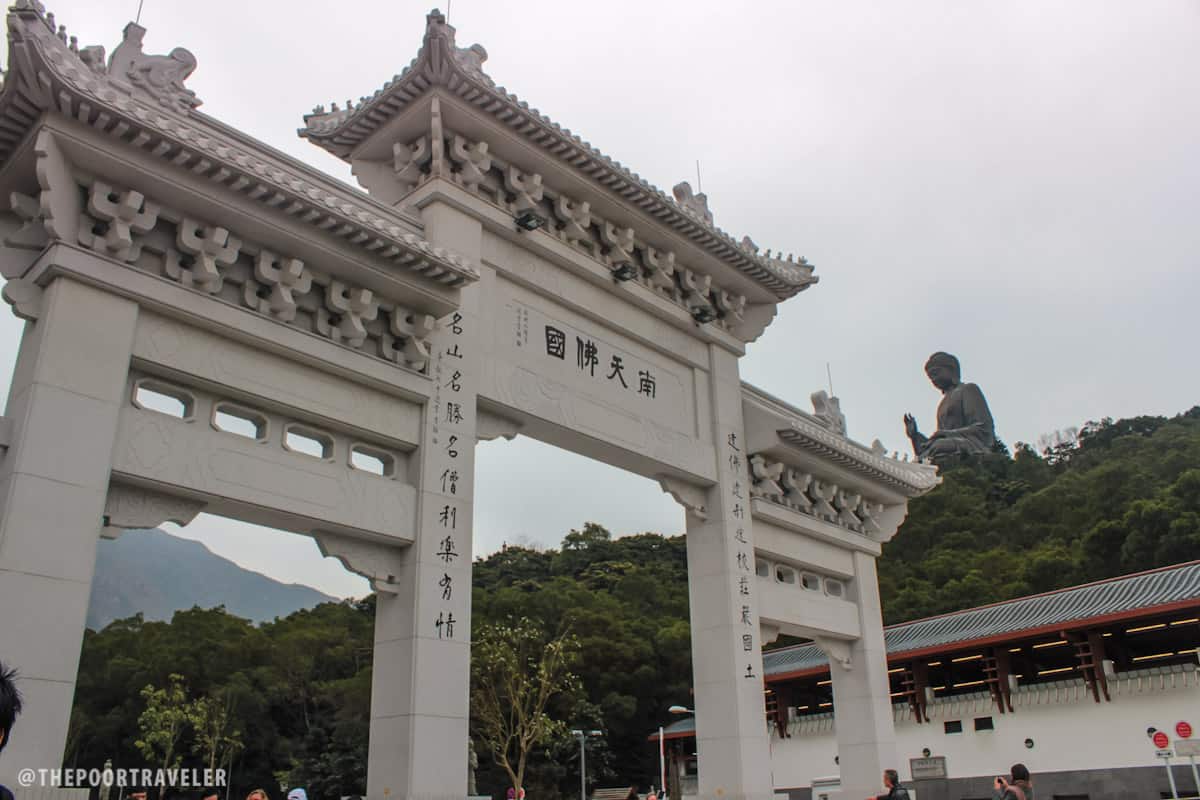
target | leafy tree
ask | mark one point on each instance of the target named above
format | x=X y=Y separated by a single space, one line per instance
x=217 y=738
x=515 y=673
x=162 y=725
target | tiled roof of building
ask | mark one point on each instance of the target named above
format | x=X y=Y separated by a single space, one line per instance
x=1052 y=611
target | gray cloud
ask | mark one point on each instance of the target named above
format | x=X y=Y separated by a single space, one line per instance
x=1016 y=183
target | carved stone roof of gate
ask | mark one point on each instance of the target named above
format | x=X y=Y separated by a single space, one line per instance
x=441 y=63
x=807 y=432
x=141 y=100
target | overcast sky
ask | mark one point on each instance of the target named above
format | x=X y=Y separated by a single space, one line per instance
x=1017 y=183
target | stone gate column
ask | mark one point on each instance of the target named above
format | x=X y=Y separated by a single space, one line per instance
x=67 y=387
x=421 y=677
x=731 y=735
x=862 y=703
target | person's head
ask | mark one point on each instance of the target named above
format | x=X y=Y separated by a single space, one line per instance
x=891 y=778
x=943 y=370
x=297 y=794
x=210 y=794
x=258 y=794
x=10 y=703
x=1020 y=772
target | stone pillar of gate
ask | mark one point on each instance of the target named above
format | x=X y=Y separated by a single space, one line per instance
x=732 y=742
x=863 y=721
x=67 y=388
x=421 y=673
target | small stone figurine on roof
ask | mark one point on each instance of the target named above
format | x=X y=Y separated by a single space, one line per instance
x=965 y=426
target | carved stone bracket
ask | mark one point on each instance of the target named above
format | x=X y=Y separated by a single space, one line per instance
x=575 y=219
x=847 y=504
x=408 y=160
x=733 y=307
x=778 y=483
x=525 y=188
x=472 y=160
x=823 y=493
x=346 y=309
x=113 y=217
x=378 y=563
x=279 y=280
x=696 y=288
x=25 y=297
x=206 y=248
x=662 y=271
x=618 y=243
x=766 y=479
x=838 y=651
x=689 y=496
x=32 y=233
x=491 y=426
x=52 y=214
x=411 y=332
x=130 y=507
x=796 y=484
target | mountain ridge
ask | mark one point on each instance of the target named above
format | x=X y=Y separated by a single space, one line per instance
x=157 y=574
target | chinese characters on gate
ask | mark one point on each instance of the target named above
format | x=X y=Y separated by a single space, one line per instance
x=743 y=556
x=448 y=411
x=588 y=361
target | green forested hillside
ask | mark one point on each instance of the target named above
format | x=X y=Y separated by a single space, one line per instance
x=1124 y=496
x=1121 y=497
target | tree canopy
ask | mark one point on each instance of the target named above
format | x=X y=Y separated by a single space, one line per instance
x=290 y=700
x=1115 y=498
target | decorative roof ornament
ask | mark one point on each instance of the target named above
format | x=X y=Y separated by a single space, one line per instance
x=828 y=410
x=441 y=63
x=160 y=77
x=125 y=98
x=694 y=205
x=469 y=58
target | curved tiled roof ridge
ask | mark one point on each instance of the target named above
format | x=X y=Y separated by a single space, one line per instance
x=1051 y=592
x=441 y=62
x=46 y=73
x=1125 y=593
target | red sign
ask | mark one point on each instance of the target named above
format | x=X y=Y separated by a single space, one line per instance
x=1160 y=740
x=1183 y=730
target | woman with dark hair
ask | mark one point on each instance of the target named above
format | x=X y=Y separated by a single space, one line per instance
x=1018 y=787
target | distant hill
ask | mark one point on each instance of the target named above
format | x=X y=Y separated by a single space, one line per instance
x=158 y=574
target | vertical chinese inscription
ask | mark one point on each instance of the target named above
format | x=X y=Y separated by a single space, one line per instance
x=450 y=414
x=742 y=554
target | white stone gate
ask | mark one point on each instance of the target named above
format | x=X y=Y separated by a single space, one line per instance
x=214 y=326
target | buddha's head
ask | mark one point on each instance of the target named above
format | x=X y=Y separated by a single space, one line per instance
x=943 y=371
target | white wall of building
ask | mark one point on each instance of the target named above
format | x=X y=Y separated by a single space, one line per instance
x=1069 y=729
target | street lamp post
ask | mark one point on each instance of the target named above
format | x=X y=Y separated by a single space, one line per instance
x=583 y=759
x=662 y=763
